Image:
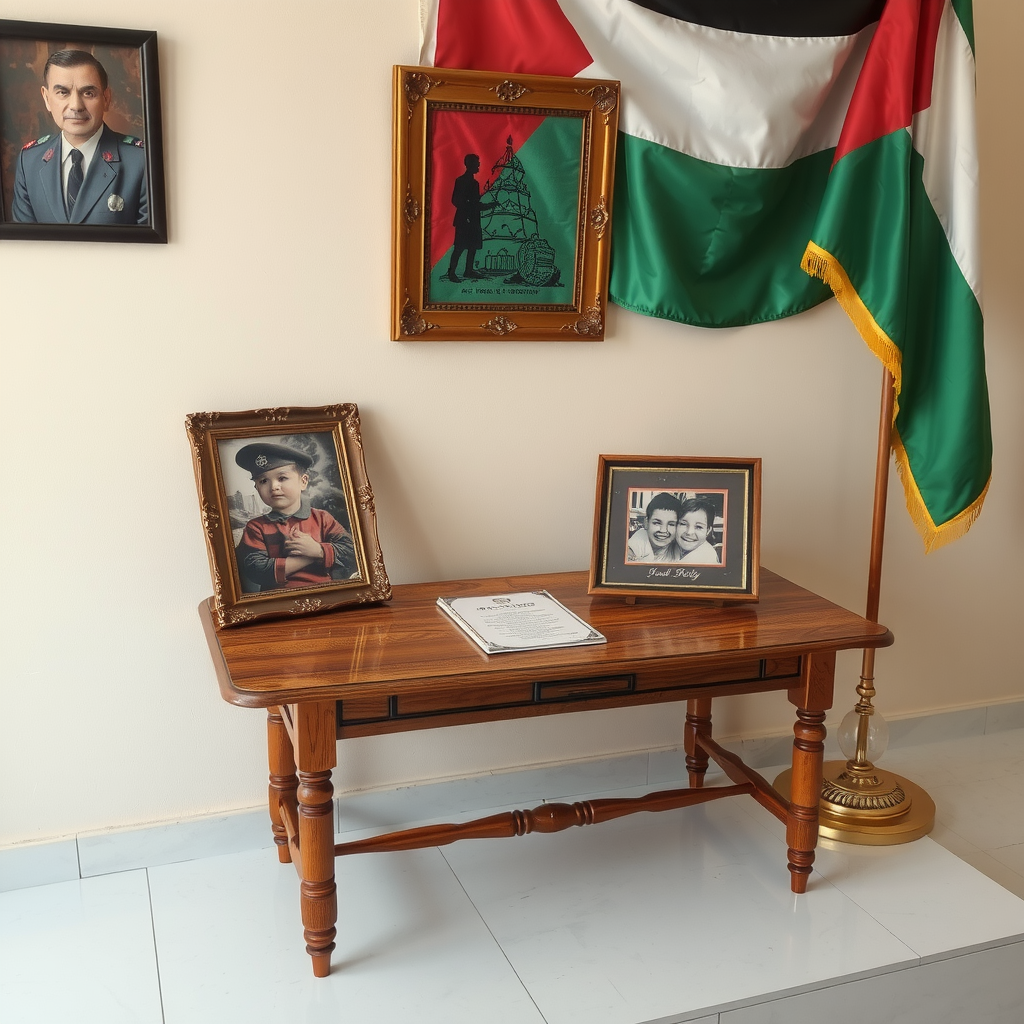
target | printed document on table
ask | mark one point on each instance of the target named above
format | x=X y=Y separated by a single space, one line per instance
x=531 y=621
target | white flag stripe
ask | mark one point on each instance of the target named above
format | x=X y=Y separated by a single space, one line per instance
x=944 y=134
x=729 y=98
x=684 y=87
x=428 y=32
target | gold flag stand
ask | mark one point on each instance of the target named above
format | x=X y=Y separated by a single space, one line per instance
x=859 y=802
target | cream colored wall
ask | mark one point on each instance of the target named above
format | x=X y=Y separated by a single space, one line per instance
x=274 y=290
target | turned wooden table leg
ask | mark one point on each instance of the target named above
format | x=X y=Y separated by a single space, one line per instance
x=698 y=722
x=316 y=740
x=283 y=782
x=802 y=826
x=812 y=699
x=319 y=893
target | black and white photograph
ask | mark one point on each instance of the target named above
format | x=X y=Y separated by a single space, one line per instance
x=677 y=526
x=81 y=153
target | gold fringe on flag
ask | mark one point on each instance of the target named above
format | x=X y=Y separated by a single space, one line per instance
x=823 y=265
x=934 y=536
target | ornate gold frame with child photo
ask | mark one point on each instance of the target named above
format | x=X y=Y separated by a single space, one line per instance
x=287 y=510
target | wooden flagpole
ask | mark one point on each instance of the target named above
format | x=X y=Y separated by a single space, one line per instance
x=859 y=802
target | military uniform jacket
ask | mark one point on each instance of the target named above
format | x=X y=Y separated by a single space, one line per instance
x=113 y=191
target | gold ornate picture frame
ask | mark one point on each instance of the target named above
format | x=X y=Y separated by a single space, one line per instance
x=287 y=510
x=677 y=526
x=501 y=212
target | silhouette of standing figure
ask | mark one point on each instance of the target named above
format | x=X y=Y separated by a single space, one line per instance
x=468 y=235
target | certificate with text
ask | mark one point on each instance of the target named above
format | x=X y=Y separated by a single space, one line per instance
x=529 y=621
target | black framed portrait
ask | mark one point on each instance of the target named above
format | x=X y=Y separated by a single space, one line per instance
x=81 y=142
x=677 y=526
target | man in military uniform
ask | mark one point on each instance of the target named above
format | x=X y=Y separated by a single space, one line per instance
x=85 y=174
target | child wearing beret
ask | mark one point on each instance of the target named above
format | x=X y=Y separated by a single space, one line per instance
x=294 y=544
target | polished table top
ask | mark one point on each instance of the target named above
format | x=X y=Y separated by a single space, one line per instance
x=409 y=644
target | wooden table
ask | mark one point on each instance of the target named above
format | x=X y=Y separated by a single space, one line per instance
x=369 y=670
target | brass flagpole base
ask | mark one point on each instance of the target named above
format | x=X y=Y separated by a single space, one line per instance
x=865 y=805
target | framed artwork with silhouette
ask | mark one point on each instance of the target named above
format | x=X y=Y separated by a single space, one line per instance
x=502 y=195
x=674 y=526
x=81 y=142
x=287 y=510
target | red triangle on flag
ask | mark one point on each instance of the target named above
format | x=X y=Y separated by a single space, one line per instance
x=532 y=38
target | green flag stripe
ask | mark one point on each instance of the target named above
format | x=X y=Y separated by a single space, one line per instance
x=944 y=413
x=934 y=318
x=964 y=10
x=709 y=245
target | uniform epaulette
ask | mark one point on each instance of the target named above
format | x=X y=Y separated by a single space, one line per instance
x=131 y=140
x=37 y=142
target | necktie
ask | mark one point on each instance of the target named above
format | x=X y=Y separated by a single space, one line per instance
x=74 y=179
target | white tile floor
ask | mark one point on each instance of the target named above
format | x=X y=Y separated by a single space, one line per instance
x=681 y=916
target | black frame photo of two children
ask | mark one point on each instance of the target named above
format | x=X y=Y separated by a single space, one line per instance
x=677 y=526
x=288 y=512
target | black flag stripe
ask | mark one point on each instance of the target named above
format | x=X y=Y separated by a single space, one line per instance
x=774 y=17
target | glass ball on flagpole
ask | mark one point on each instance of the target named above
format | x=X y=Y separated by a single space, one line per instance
x=878 y=735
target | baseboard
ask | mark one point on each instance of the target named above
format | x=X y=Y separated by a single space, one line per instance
x=84 y=855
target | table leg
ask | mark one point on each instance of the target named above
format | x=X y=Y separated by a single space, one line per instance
x=316 y=753
x=802 y=826
x=698 y=722
x=319 y=893
x=283 y=782
x=813 y=697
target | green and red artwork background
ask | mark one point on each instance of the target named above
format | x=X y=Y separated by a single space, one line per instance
x=550 y=150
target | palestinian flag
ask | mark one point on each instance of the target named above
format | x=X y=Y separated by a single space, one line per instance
x=896 y=238
x=732 y=111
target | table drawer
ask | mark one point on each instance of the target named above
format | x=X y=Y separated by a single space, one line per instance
x=452 y=699
x=581 y=689
x=777 y=668
x=364 y=709
x=456 y=699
